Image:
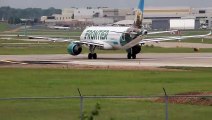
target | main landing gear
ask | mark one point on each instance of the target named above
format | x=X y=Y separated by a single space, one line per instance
x=92 y=55
x=132 y=52
x=131 y=56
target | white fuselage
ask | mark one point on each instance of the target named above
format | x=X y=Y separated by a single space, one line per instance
x=112 y=37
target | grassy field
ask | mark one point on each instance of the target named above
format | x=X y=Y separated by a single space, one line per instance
x=6 y=48
x=16 y=82
x=52 y=33
x=67 y=34
x=45 y=32
x=60 y=48
x=197 y=40
x=3 y=27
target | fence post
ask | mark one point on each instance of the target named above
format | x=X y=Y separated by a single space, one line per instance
x=166 y=103
x=81 y=104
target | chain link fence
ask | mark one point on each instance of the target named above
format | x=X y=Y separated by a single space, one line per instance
x=167 y=107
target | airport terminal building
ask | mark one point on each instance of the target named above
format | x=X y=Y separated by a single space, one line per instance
x=164 y=18
x=155 y=17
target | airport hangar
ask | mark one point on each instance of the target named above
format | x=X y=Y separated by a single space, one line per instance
x=155 y=18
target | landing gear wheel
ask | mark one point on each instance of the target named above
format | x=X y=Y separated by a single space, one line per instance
x=94 y=56
x=129 y=55
x=90 y=56
x=133 y=56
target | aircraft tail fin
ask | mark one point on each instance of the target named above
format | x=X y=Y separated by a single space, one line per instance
x=139 y=15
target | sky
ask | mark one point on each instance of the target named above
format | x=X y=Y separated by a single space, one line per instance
x=103 y=3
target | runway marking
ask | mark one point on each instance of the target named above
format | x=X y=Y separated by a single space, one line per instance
x=13 y=62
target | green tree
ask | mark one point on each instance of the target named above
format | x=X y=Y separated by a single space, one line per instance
x=9 y=13
x=14 y=20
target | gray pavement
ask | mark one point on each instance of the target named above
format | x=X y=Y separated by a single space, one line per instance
x=147 y=59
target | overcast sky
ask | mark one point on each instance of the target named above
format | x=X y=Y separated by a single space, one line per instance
x=105 y=3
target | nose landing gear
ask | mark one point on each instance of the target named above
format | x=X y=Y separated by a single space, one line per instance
x=92 y=55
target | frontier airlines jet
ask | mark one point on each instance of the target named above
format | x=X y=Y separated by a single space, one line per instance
x=119 y=37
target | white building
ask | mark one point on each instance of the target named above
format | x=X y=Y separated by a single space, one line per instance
x=163 y=12
x=80 y=14
x=102 y=16
x=63 y=18
x=83 y=13
x=68 y=11
x=102 y=21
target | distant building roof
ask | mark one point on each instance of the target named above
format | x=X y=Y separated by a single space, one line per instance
x=130 y=22
x=124 y=22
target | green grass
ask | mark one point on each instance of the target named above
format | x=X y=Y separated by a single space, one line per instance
x=4 y=27
x=92 y=82
x=51 y=33
x=47 y=32
x=6 y=48
x=61 y=48
x=16 y=82
x=116 y=109
x=197 y=40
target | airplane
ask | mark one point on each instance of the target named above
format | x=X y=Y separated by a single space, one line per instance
x=130 y=39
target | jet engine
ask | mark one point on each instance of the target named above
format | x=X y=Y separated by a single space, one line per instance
x=74 y=49
x=144 y=32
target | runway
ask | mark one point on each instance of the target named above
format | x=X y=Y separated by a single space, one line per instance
x=145 y=60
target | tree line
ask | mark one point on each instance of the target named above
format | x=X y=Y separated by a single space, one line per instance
x=14 y=15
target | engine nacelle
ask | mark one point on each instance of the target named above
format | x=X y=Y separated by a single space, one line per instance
x=144 y=32
x=74 y=49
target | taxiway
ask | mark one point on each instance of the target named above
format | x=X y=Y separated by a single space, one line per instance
x=147 y=59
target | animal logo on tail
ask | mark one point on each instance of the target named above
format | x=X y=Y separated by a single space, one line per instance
x=139 y=15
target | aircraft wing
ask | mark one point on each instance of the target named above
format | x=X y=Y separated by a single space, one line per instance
x=160 y=32
x=150 y=33
x=51 y=39
x=172 y=38
x=95 y=43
